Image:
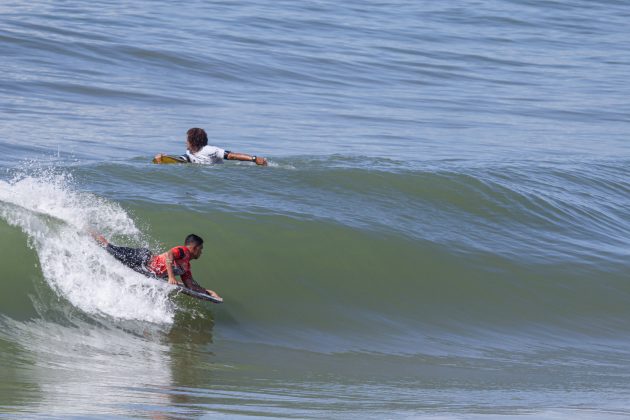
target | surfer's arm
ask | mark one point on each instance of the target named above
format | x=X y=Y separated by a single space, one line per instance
x=244 y=157
x=169 y=267
x=193 y=285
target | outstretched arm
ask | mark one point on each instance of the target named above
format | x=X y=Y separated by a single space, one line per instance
x=193 y=285
x=246 y=158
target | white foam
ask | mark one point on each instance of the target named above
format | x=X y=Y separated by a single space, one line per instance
x=54 y=217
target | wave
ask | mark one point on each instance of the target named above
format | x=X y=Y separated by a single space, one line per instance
x=54 y=219
x=513 y=209
x=346 y=258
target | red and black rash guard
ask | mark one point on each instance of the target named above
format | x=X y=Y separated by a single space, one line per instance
x=181 y=263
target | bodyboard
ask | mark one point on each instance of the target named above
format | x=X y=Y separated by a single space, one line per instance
x=167 y=159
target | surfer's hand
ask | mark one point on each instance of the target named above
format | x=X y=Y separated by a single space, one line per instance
x=172 y=280
x=213 y=293
x=261 y=161
x=158 y=159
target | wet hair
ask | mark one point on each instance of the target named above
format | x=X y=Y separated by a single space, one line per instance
x=197 y=139
x=193 y=239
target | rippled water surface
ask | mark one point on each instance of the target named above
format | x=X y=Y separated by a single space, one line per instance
x=442 y=230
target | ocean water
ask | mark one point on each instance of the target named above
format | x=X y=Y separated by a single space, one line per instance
x=443 y=230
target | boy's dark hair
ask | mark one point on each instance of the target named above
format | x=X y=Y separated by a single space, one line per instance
x=197 y=139
x=193 y=239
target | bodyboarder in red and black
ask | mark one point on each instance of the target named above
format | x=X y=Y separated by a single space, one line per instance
x=174 y=262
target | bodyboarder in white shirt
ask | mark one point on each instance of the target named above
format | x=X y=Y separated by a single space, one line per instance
x=198 y=151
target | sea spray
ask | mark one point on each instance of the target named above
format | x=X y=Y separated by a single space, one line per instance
x=54 y=217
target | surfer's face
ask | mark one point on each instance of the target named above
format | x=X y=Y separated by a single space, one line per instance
x=195 y=251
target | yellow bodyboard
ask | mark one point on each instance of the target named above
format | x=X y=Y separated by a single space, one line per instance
x=166 y=159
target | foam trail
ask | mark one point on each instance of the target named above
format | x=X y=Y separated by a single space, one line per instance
x=54 y=216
